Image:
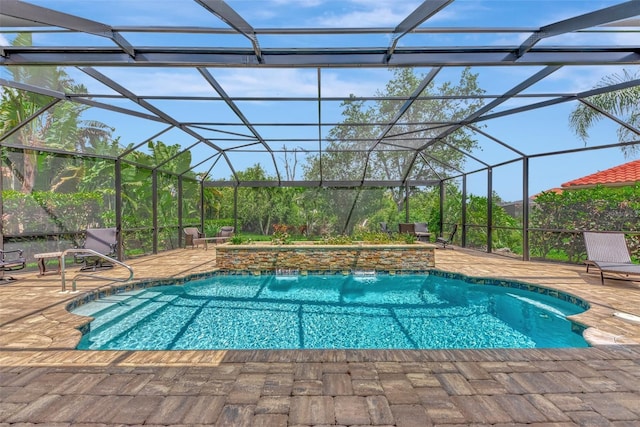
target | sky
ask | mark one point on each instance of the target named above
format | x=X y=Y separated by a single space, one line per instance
x=537 y=131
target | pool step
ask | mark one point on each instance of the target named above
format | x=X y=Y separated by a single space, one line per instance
x=99 y=307
x=116 y=322
x=115 y=309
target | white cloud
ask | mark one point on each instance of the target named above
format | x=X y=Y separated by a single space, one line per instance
x=267 y=82
x=369 y=14
x=579 y=79
x=359 y=85
x=245 y=82
x=292 y=82
x=150 y=82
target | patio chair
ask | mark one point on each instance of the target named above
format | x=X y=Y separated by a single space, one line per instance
x=10 y=261
x=225 y=234
x=444 y=241
x=102 y=240
x=407 y=228
x=421 y=231
x=610 y=254
x=192 y=236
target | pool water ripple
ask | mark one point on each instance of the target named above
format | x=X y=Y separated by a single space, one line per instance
x=329 y=311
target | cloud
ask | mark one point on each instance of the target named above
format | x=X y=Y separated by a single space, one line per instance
x=293 y=82
x=152 y=81
x=334 y=13
x=368 y=14
x=267 y=82
x=360 y=83
x=244 y=82
x=574 y=79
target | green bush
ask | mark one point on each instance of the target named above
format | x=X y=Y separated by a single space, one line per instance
x=237 y=239
x=594 y=209
x=367 y=237
x=212 y=226
x=280 y=235
x=374 y=237
x=45 y=211
x=408 y=238
x=340 y=239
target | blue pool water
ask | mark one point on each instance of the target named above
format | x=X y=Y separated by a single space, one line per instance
x=329 y=311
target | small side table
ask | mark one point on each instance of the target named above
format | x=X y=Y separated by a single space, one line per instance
x=205 y=241
x=42 y=261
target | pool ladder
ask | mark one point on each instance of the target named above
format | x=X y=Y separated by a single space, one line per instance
x=94 y=253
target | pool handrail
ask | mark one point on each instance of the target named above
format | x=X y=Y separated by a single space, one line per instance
x=94 y=253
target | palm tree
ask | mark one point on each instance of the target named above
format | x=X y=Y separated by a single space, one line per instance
x=58 y=127
x=623 y=104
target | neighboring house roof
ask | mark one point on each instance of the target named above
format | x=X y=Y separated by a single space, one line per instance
x=617 y=176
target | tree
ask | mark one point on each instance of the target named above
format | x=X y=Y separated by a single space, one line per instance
x=347 y=155
x=624 y=104
x=261 y=207
x=87 y=173
x=136 y=182
x=57 y=127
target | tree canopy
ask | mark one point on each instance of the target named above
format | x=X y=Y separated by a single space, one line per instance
x=364 y=147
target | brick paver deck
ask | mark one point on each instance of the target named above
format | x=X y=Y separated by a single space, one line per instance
x=43 y=380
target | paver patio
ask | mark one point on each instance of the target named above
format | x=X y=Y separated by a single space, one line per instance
x=43 y=380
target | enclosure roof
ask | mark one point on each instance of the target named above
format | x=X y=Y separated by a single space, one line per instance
x=238 y=83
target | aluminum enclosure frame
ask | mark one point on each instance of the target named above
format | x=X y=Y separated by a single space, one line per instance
x=21 y=16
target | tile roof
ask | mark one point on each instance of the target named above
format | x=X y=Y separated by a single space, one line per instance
x=625 y=174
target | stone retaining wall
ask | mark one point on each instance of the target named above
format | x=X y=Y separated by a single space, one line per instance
x=391 y=258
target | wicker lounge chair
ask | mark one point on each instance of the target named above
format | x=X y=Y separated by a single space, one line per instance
x=225 y=234
x=609 y=253
x=192 y=237
x=444 y=241
x=101 y=240
x=421 y=231
x=407 y=228
x=11 y=261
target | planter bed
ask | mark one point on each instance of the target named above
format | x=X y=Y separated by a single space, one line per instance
x=310 y=257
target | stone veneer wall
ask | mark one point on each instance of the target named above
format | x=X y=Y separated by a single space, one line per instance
x=391 y=258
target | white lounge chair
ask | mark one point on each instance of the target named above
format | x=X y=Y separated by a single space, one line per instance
x=610 y=254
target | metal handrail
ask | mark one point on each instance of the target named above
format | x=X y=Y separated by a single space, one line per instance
x=94 y=253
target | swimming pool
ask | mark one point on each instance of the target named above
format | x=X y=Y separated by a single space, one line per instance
x=330 y=311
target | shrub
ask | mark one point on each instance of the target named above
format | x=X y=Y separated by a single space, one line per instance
x=408 y=238
x=374 y=237
x=237 y=239
x=45 y=211
x=280 y=235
